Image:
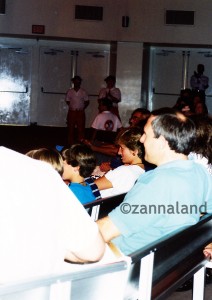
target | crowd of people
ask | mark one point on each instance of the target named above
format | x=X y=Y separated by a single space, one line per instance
x=191 y=102
x=161 y=160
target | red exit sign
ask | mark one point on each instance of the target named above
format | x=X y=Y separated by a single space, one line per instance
x=38 y=29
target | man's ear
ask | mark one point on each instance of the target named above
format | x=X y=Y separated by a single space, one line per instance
x=163 y=142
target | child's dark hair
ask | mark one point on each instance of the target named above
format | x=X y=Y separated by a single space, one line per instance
x=82 y=156
x=106 y=102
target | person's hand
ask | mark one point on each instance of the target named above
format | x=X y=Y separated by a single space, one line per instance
x=105 y=166
x=208 y=251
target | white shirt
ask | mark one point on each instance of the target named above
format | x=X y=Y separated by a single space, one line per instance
x=40 y=218
x=199 y=82
x=106 y=121
x=76 y=99
x=122 y=178
x=115 y=92
x=201 y=160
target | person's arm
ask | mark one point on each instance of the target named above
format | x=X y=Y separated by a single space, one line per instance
x=67 y=100
x=115 y=95
x=103 y=183
x=94 y=252
x=193 y=82
x=206 y=83
x=93 y=136
x=108 y=149
x=83 y=242
x=102 y=93
x=114 y=99
x=108 y=229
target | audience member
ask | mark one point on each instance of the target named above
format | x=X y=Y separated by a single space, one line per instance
x=161 y=200
x=77 y=101
x=138 y=115
x=50 y=156
x=105 y=120
x=202 y=149
x=184 y=102
x=112 y=159
x=79 y=163
x=199 y=82
x=111 y=92
x=199 y=106
x=41 y=221
x=121 y=179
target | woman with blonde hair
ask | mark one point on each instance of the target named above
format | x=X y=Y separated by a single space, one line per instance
x=50 y=156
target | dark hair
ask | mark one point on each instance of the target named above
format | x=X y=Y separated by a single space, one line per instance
x=203 y=145
x=164 y=110
x=177 y=129
x=131 y=139
x=82 y=156
x=106 y=102
x=143 y=111
x=200 y=67
x=76 y=78
x=110 y=77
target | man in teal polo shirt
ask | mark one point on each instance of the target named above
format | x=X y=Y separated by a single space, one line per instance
x=166 y=199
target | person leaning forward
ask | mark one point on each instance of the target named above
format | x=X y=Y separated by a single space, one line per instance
x=41 y=221
x=160 y=202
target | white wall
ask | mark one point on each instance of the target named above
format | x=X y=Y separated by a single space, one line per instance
x=58 y=18
x=129 y=77
x=146 y=26
x=146 y=20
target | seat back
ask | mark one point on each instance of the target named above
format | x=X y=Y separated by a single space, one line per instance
x=90 y=282
x=173 y=259
x=101 y=207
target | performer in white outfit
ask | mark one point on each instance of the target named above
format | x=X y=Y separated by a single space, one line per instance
x=77 y=101
x=111 y=92
x=105 y=120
